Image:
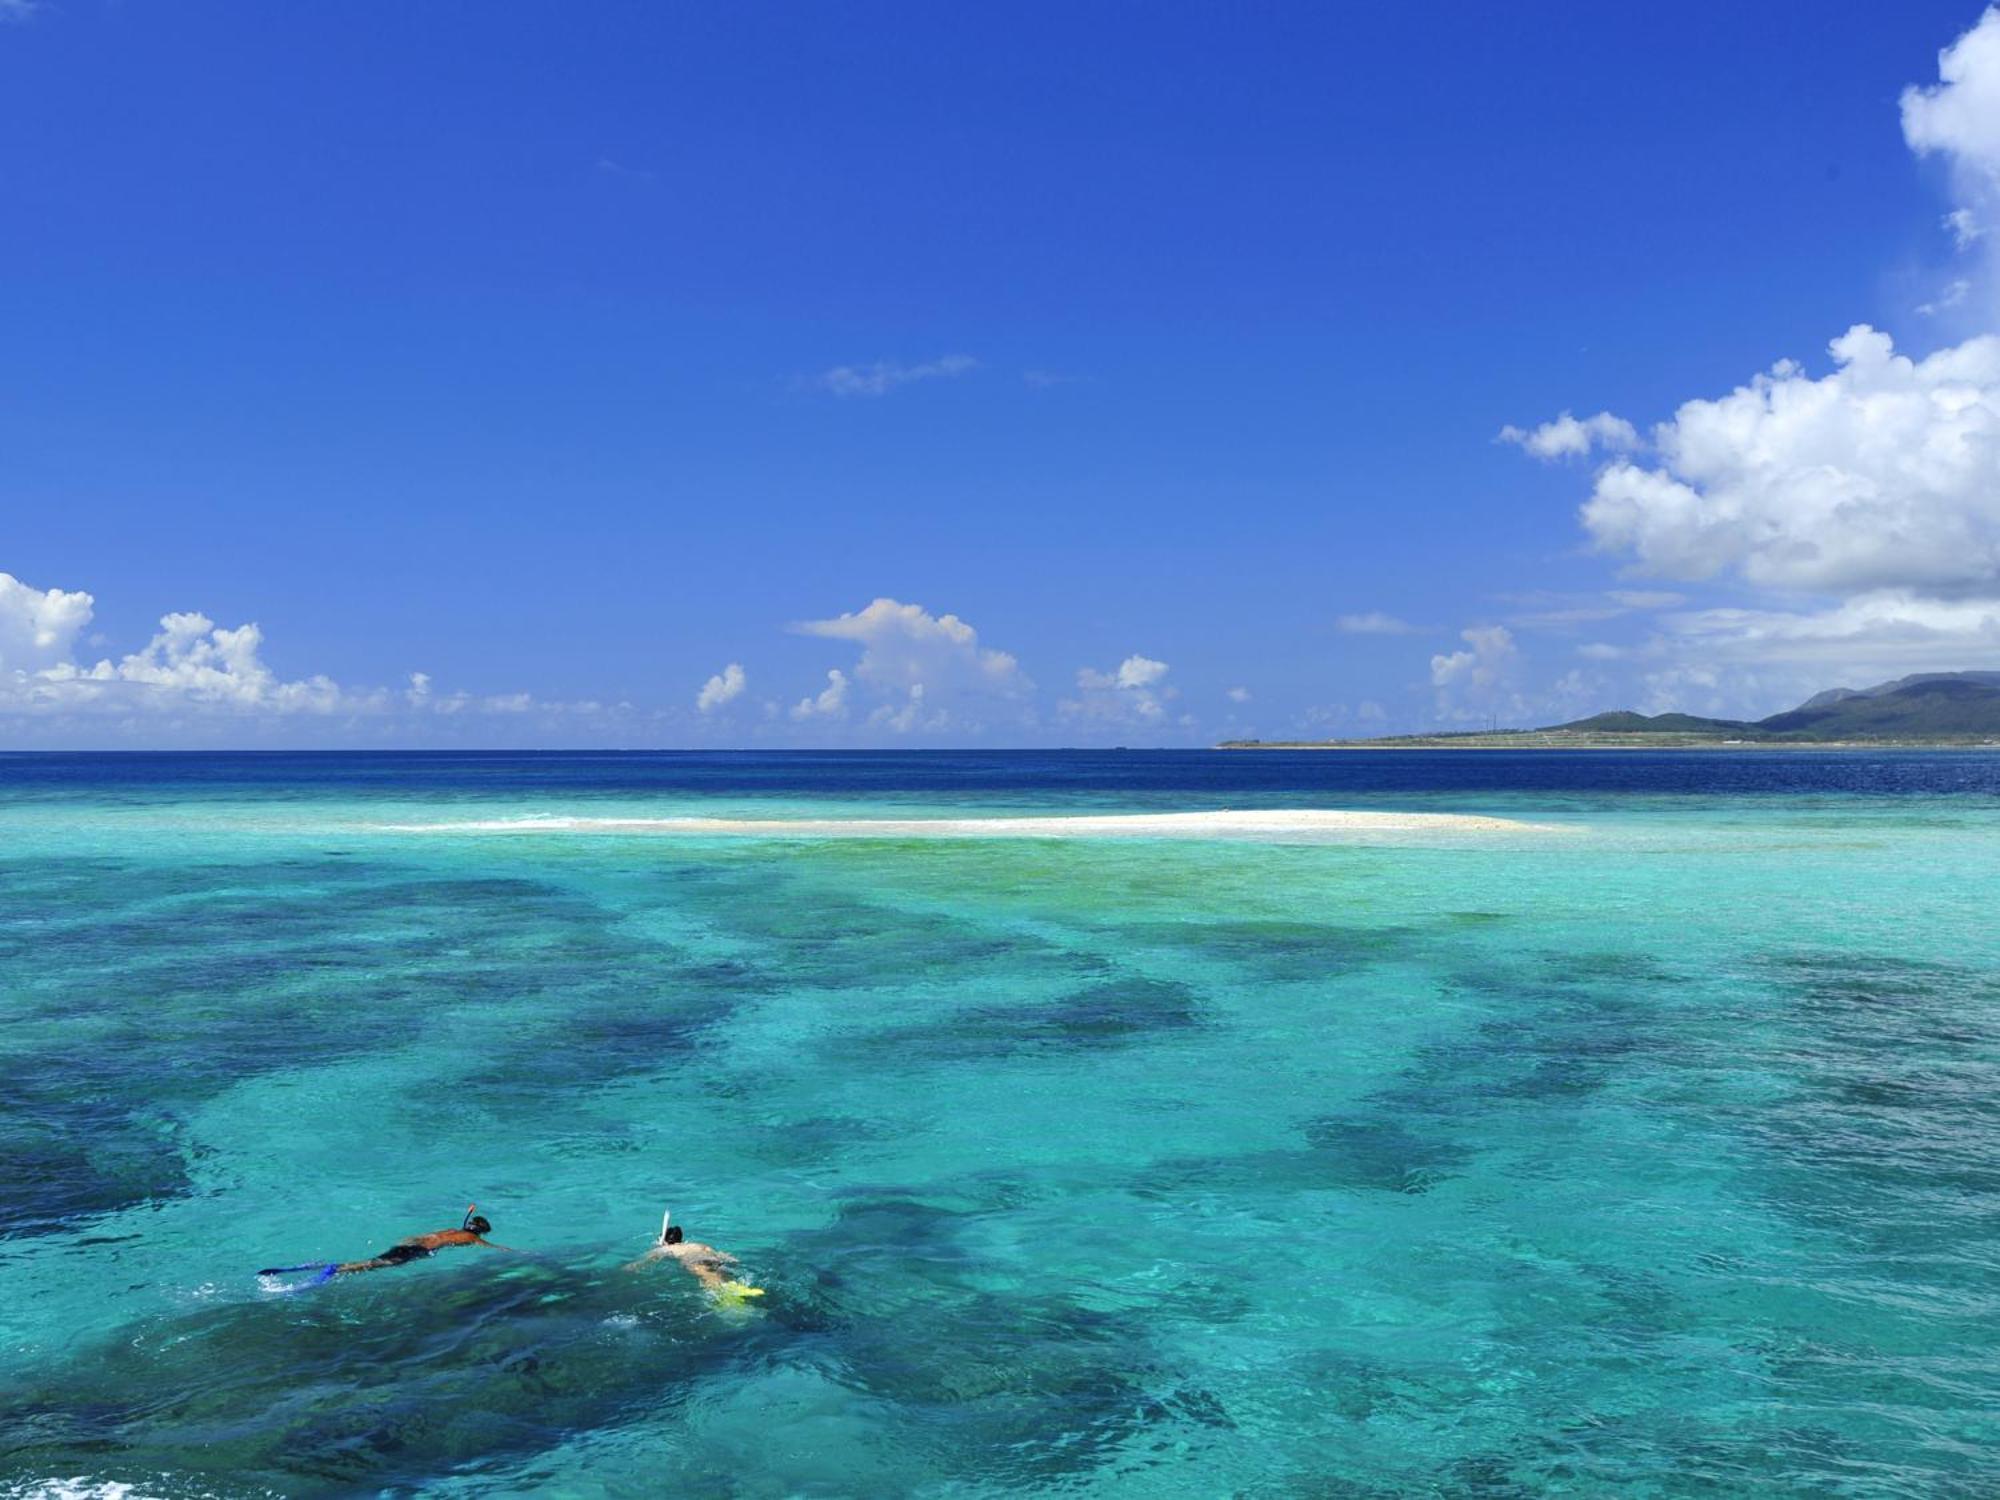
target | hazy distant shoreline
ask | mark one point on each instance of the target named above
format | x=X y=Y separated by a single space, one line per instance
x=1530 y=739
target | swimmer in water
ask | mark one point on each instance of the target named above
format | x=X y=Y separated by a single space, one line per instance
x=416 y=1247
x=703 y=1262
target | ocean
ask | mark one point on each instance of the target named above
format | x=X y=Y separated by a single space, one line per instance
x=1647 y=1143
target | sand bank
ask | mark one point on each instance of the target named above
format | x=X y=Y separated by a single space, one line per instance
x=1270 y=824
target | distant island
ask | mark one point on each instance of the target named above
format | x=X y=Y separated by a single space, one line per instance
x=1927 y=709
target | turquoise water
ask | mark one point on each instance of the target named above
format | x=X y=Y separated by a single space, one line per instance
x=1659 y=1155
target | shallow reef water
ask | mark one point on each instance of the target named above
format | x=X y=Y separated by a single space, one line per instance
x=1653 y=1150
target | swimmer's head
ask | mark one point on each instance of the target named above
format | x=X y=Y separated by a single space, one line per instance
x=478 y=1224
x=672 y=1236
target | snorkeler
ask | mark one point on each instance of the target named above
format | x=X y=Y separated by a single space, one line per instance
x=416 y=1247
x=703 y=1262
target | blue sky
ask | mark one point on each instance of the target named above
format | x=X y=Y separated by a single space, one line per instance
x=1150 y=361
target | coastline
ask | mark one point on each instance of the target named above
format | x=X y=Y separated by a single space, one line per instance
x=1529 y=739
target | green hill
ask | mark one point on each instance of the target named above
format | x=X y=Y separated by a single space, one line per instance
x=1624 y=721
x=1942 y=707
x=1929 y=705
x=1928 y=708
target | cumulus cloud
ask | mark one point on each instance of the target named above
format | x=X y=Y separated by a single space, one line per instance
x=829 y=703
x=1959 y=118
x=39 y=627
x=194 y=659
x=1374 y=622
x=913 y=713
x=1884 y=473
x=923 y=671
x=1134 y=672
x=191 y=662
x=1477 y=680
x=885 y=376
x=1133 y=692
x=193 y=673
x=1573 y=437
x=724 y=687
x=1853 y=513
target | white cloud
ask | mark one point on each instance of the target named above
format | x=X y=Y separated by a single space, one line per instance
x=1740 y=662
x=38 y=627
x=911 y=715
x=885 y=376
x=1552 y=610
x=905 y=648
x=1959 y=116
x=1374 y=622
x=831 y=702
x=1239 y=695
x=195 y=679
x=1855 y=514
x=1881 y=634
x=190 y=662
x=724 y=687
x=1571 y=437
x=19 y=10
x=1953 y=295
x=1130 y=693
x=1476 y=681
x=1884 y=473
x=1694 y=688
x=1134 y=672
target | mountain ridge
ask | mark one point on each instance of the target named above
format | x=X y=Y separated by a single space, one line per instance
x=1943 y=705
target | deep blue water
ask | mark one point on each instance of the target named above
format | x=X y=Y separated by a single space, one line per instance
x=984 y=774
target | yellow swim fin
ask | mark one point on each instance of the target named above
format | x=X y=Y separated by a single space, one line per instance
x=737 y=1291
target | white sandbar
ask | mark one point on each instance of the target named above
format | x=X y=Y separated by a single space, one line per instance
x=1268 y=824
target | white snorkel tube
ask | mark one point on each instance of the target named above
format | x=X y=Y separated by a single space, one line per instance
x=663 y=1227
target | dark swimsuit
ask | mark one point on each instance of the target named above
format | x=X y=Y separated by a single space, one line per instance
x=397 y=1255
